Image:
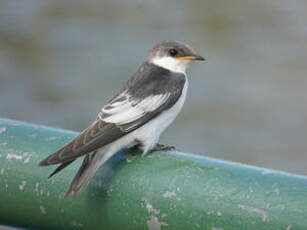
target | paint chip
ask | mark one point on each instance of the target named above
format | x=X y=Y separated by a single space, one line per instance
x=2 y=129
x=43 y=210
x=10 y=156
x=76 y=224
x=259 y=211
x=27 y=160
x=215 y=228
x=169 y=194
x=22 y=185
x=150 y=208
x=154 y=224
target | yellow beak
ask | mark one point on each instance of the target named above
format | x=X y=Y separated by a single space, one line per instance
x=193 y=58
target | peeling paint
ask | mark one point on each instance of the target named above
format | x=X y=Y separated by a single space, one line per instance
x=289 y=227
x=2 y=171
x=43 y=210
x=110 y=190
x=36 y=187
x=150 y=208
x=2 y=129
x=10 y=156
x=214 y=213
x=22 y=185
x=215 y=228
x=169 y=194
x=76 y=224
x=259 y=211
x=26 y=157
x=27 y=160
x=154 y=224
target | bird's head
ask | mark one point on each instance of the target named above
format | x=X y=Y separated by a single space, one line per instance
x=173 y=55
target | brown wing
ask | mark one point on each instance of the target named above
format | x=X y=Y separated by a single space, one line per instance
x=95 y=136
x=146 y=85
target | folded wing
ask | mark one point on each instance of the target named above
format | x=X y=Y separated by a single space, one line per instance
x=139 y=102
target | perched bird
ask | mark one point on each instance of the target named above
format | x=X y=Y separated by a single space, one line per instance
x=137 y=115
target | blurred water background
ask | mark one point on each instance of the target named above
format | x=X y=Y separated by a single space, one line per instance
x=60 y=61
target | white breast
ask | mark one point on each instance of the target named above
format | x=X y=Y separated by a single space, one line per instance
x=149 y=133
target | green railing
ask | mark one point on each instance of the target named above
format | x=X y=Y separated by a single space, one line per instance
x=164 y=190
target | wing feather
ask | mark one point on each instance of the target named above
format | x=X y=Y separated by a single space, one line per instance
x=95 y=136
x=132 y=109
x=151 y=91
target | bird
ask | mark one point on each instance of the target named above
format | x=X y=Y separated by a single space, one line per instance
x=136 y=116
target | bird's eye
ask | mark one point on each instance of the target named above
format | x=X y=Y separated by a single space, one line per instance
x=173 y=52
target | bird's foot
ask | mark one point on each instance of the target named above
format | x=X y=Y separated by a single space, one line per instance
x=160 y=147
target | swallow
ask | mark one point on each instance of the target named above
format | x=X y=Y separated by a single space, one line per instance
x=137 y=115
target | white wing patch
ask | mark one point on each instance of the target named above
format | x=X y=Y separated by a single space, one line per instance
x=127 y=109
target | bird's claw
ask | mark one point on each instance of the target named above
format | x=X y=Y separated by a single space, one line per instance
x=160 y=147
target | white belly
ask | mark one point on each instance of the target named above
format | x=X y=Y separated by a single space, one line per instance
x=149 y=133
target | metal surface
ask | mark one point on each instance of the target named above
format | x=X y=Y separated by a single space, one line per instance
x=164 y=190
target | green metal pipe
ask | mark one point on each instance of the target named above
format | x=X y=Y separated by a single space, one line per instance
x=164 y=190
